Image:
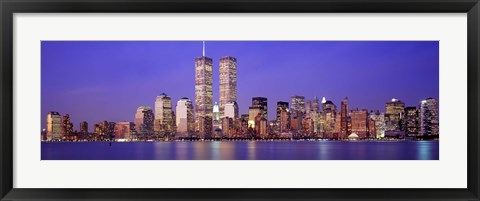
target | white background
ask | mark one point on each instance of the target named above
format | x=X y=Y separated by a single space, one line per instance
x=449 y=171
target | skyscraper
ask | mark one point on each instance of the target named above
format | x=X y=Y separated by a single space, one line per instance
x=54 y=126
x=308 y=107
x=330 y=116
x=284 y=119
x=124 y=130
x=297 y=106
x=315 y=105
x=67 y=126
x=144 y=121
x=84 y=127
x=216 y=124
x=262 y=103
x=379 y=119
x=429 y=117
x=411 y=121
x=228 y=82
x=253 y=112
x=102 y=130
x=185 y=118
x=163 y=123
x=203 y=95
x=360 y=122
x=280 y=107
x=344 y=132
x=394 y=114
x=231 y=110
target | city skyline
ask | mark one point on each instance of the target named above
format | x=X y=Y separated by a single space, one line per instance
x=421 y=57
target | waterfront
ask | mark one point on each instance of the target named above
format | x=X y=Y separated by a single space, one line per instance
x=242 y=150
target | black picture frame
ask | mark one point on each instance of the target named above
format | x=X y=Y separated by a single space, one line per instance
x=9 y=7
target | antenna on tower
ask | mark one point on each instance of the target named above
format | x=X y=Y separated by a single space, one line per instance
x=203 y=48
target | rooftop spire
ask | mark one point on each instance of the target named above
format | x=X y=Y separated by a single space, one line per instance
x=203 y=49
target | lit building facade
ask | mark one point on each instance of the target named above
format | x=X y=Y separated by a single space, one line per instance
x=83 y=127
x=252 y=113
x=379 y=119
x=231 y=110
x=124 y=130
x=330 y=117
x=372 y=132
x=54 y=126
x=216 y=117
x=228 y=82
x=411 y=121
x=280 y=107
x=228 y=128
x=360 y=123
x=144 y=121
x=394 y=115
x=185 y=122
x=429 y=117
x=315 y=105
x=308 y=107
x=297 y=106
x=262 y=103
x=67 y=126
x=284 y=119
x=164 y=122
x=344 y=132
x=203 y=96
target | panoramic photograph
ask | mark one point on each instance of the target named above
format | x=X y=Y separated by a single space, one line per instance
x=239 y=100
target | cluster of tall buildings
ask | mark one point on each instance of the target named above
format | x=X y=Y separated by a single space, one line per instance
x=299 y=118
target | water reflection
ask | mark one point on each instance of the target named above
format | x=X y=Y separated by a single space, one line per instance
x=423 y=151
x=251 y=150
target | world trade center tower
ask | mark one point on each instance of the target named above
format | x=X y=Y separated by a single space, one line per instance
x=228 y=82
x=203 y=95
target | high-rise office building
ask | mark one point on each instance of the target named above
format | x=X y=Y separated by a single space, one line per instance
x=261 y=128
x=411 y=121
x=315 y=104
x=227 y=127
x=372 y=131
x=124 y=130
x=228 y=82
x=231 y=110
x=54 y=126
x=330 y=116
x=394 y=116
x=429 y=117
x=379 y=119
x=262 y=103
x=344 y=132
x=394 y=112
x=284 y=119
x=164 y=122
x=185 y=121
x=253 y=112
x=329 y=106
x=297 y=106
x=103 y=130
x=144 y=121
x=280 y=107
x=203 y=95
x=83 y=127
x=308 y=107
x=67 y=126
x=216 y=124
x=360 y=123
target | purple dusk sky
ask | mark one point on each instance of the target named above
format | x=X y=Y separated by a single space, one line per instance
x=108 y=80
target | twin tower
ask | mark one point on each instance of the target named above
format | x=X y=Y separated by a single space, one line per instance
x=204 y=90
